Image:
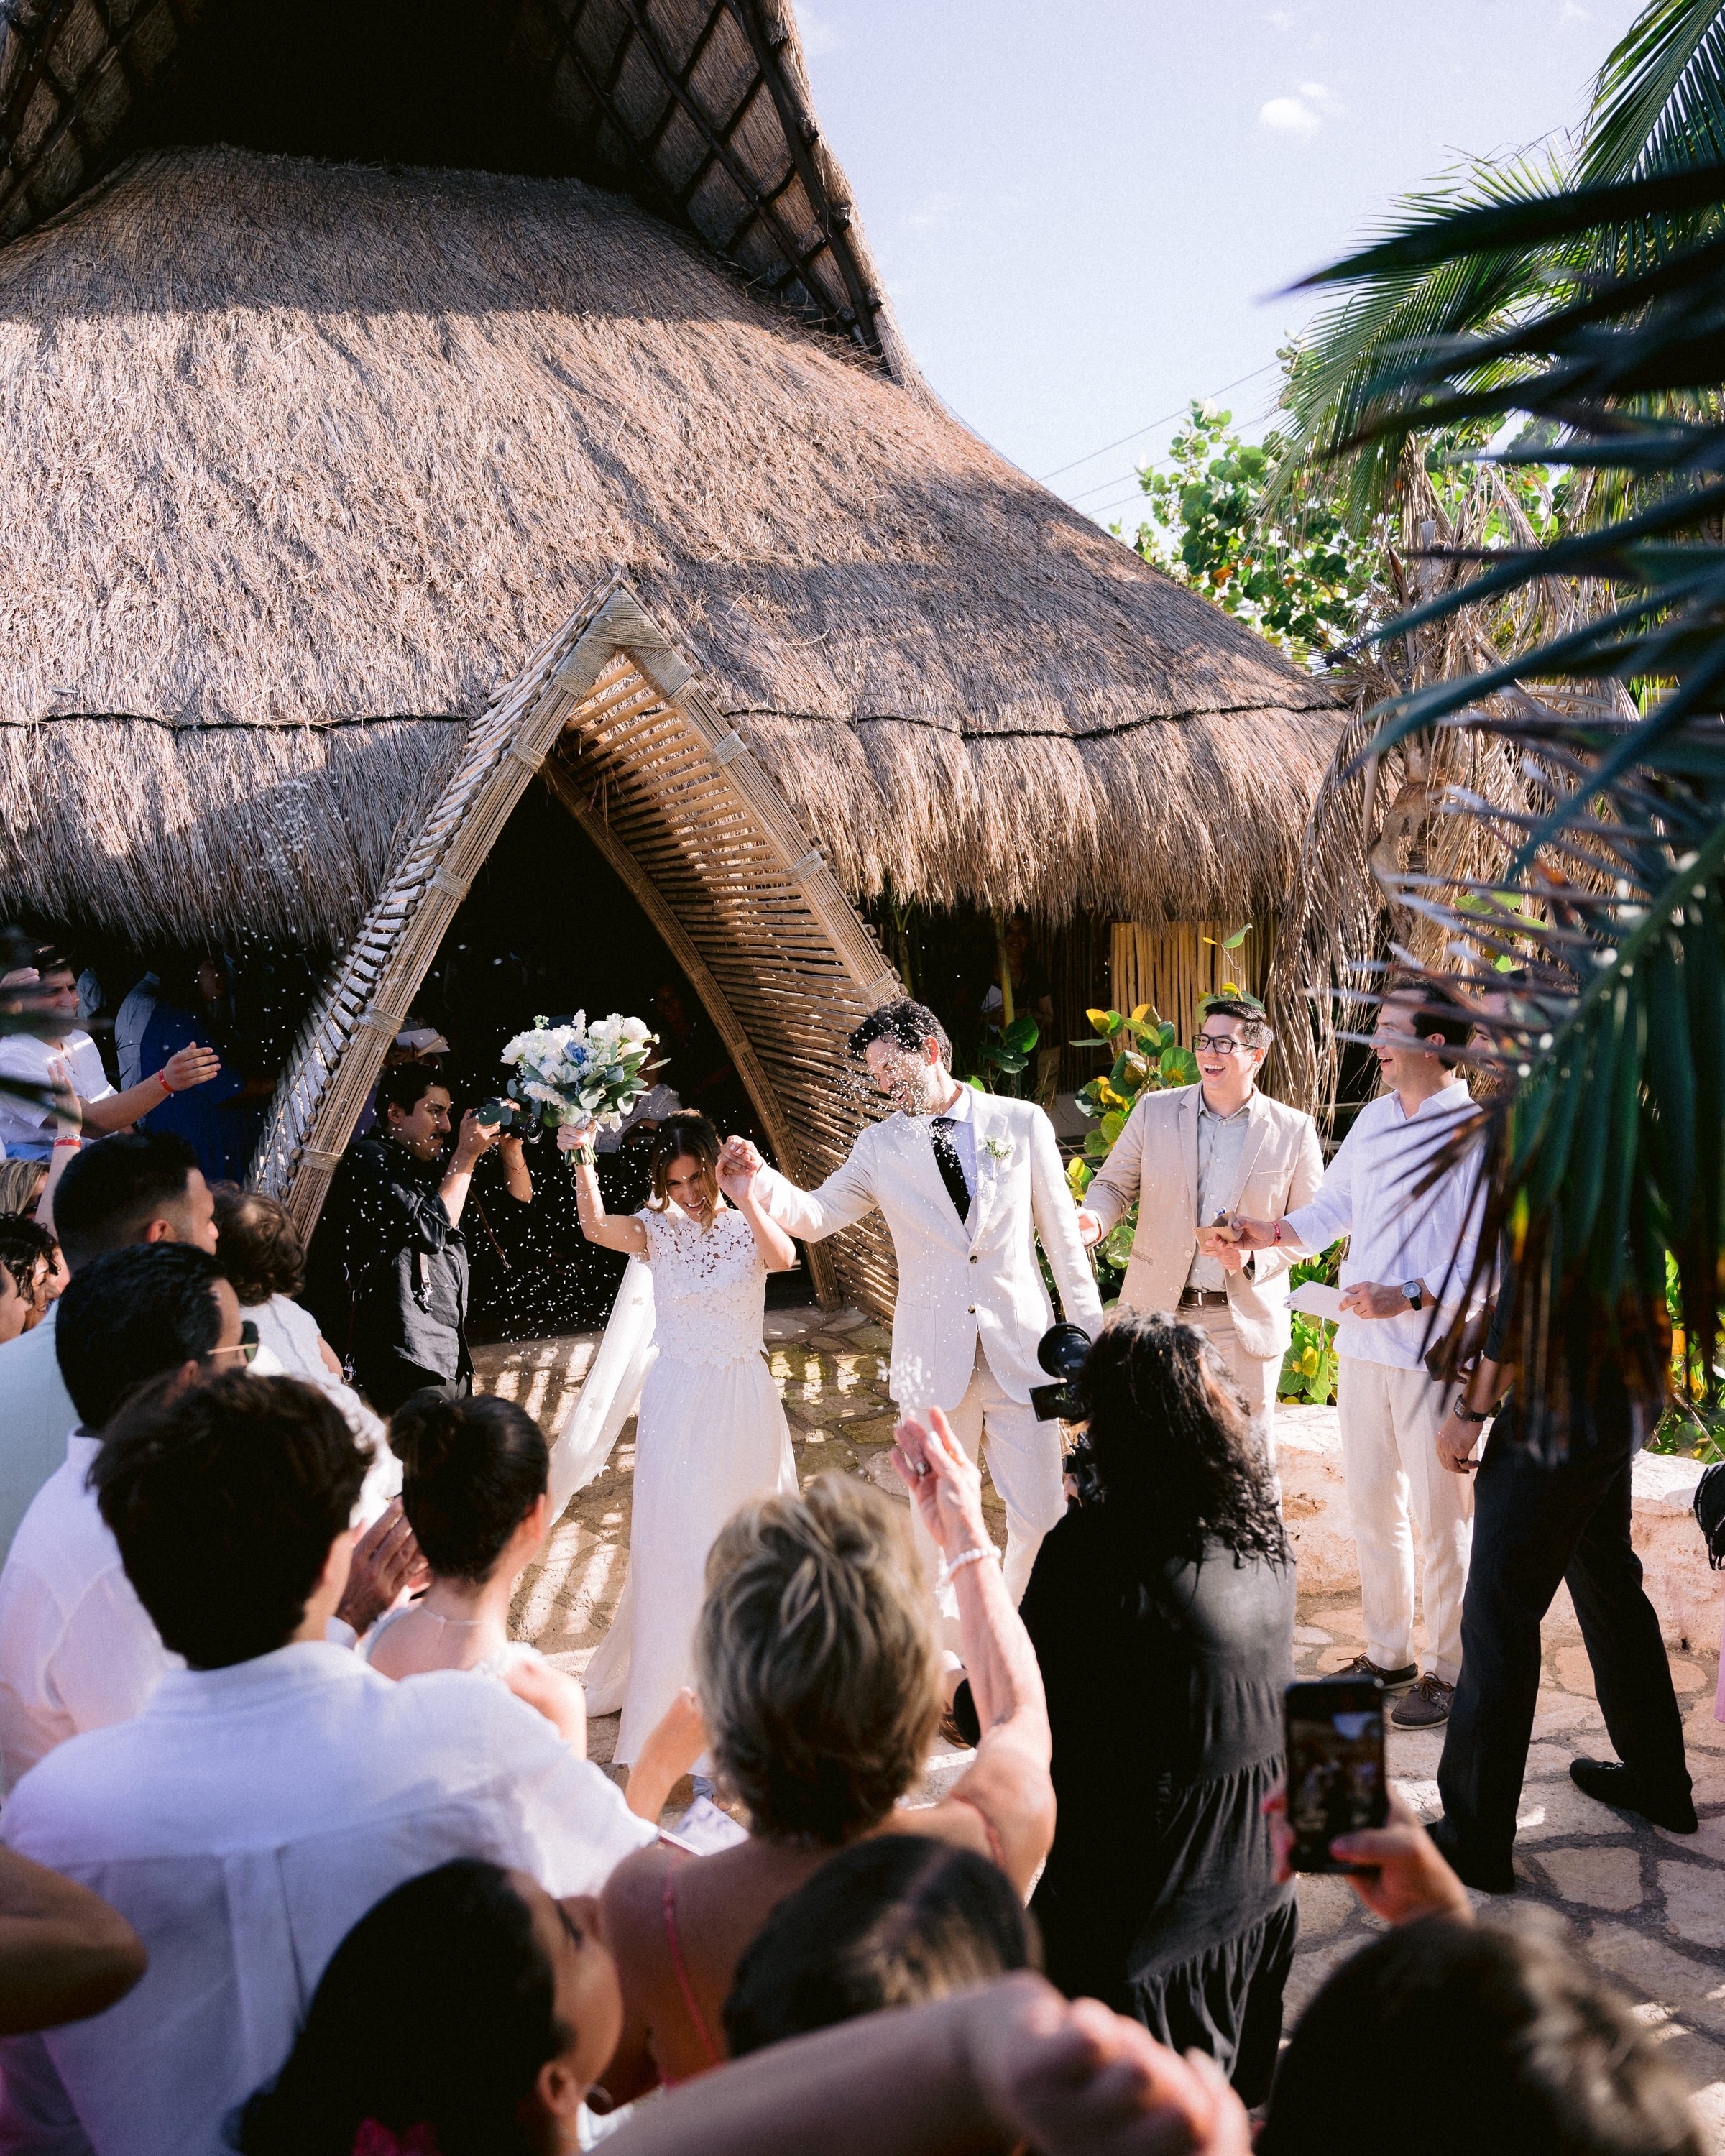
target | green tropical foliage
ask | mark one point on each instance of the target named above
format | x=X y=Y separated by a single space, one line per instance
x=1605 y=1044
x=1301 y=576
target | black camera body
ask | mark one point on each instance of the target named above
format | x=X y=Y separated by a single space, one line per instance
x=1062 y=1352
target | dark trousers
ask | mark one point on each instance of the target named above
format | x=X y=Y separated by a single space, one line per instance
x=1534 y=1525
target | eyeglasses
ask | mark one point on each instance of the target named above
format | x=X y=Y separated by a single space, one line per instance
x=246 y=1348
x=1222 y=1044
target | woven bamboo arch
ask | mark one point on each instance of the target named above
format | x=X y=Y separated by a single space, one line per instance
x=609 y=713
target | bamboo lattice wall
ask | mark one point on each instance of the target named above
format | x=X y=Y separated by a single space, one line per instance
x=1169 y=966
x=610 y=714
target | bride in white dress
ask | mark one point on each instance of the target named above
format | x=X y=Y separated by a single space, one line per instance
x=711 y=1431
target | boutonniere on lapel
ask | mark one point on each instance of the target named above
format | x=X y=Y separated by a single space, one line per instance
x=1000 y=1147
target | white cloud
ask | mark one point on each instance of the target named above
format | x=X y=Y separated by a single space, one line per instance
x=1288 y=115
x=818 y=35
x=1279 y=19
x=1302 y=116
x=931 y=211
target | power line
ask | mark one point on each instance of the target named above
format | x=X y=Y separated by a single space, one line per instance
x=1179 y=413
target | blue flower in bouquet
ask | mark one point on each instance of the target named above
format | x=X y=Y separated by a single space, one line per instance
x=581 y=1071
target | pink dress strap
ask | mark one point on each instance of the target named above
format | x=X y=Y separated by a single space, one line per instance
x=971 y=1806
x=668 y=1902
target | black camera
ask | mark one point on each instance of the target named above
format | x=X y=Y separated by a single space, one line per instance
x=1062 y=1352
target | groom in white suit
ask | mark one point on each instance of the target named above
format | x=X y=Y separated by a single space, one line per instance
x=967 y=1182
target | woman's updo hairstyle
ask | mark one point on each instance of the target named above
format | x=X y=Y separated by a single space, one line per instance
x=471 y=1471
x=429 y=2027
x=1173 y=1440
x=814 y=1660
x=677 y=1136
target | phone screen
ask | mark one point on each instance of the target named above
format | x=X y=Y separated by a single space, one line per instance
x=1336 y=1777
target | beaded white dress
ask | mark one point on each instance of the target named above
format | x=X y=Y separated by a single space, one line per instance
x=710 y=1434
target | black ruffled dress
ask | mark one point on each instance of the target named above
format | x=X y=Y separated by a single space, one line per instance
x=1164 y=1682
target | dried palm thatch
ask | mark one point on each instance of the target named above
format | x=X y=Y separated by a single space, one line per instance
x=298 y=461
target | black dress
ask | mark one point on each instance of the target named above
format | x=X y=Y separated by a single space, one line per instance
x=1164 y=1682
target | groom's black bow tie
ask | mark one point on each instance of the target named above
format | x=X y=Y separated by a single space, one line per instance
x=951 y=1169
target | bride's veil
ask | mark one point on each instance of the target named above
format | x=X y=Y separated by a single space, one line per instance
x=608 y=1396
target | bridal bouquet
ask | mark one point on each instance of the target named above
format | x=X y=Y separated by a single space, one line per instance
x=583 y=1071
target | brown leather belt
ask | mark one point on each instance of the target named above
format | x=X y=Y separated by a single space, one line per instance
x=1201 y=1298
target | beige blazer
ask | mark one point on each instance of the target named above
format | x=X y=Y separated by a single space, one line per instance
x=1154 y=1162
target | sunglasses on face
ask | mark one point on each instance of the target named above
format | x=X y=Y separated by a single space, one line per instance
x=246 y=1348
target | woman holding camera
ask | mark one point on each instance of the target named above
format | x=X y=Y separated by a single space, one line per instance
x=1161 y=1611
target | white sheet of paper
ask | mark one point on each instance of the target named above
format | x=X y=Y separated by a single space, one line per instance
x=704 y=1829
x=1317 y=1300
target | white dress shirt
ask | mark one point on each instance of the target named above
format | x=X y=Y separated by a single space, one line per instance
x=243 y=1824
x=1396 y=1233
x=962 y=1133
x=1221 y=1140
x=27 y=1126
x=36 y=1411
x=77 y=1649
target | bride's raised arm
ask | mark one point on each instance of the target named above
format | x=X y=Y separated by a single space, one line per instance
x=614 y=1231
x=740 y=1183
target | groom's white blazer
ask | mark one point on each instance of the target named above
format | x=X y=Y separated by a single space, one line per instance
x=960 y=1281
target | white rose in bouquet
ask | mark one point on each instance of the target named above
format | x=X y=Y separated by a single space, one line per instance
x=582 y=1072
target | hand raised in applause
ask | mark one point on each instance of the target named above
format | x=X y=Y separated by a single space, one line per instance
x=1074 y=2079
x=943 y=1482
x=385 y=1559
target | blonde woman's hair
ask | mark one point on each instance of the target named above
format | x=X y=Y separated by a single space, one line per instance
x=679 y=1135
x=813 y=1657
x=21 y=1182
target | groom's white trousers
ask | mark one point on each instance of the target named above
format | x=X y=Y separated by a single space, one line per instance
x=1024 y=1465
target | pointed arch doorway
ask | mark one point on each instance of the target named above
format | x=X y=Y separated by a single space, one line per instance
x=610 y=714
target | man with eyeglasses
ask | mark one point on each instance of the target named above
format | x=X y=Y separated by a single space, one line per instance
x=1191 y=1157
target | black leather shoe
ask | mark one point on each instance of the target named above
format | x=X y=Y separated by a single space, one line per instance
x=1475 y=1872
x=1608 y=1783
x=1362 y=1666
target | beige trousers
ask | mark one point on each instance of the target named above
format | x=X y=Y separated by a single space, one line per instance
x=1024 y=1465
x=1390 y=1421
x=1256 y=1378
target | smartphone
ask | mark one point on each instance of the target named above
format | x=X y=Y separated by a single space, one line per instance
x=1336 y=1779
x=492 y=1112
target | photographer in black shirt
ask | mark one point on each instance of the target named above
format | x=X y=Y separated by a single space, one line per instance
x=388 y=1275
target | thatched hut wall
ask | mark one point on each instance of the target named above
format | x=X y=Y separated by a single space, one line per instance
x=297 y=460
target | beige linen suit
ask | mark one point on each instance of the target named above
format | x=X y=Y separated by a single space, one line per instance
x=1154 y=1163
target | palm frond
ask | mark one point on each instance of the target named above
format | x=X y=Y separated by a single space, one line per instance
x=1586 y=923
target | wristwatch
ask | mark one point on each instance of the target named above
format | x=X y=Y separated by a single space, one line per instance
x=1415 y=1293
x=1466 y=1414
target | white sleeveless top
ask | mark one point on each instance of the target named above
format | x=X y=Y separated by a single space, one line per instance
x=709 y=1287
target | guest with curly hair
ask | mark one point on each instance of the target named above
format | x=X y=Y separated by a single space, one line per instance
x=1161 y=1611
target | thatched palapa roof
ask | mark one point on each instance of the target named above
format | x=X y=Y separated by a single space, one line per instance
x=299 y=459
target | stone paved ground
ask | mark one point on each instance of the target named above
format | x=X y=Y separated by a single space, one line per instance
x=1649 y=1905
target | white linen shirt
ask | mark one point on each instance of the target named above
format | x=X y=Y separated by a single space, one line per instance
x=1369 y=1194
x=36 y=1411
x=27 y=1126
x=242 y=1824
x=77 y=1649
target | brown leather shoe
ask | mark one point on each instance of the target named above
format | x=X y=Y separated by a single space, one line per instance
x=1362 y=1666
x=1424 y=1704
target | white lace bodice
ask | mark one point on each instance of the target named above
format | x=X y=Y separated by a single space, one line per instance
x=709 y=1287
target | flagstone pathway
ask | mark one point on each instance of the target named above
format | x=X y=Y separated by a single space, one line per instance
x=1649 y=1907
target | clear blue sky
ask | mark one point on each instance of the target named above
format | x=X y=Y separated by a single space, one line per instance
x=1083 y=209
